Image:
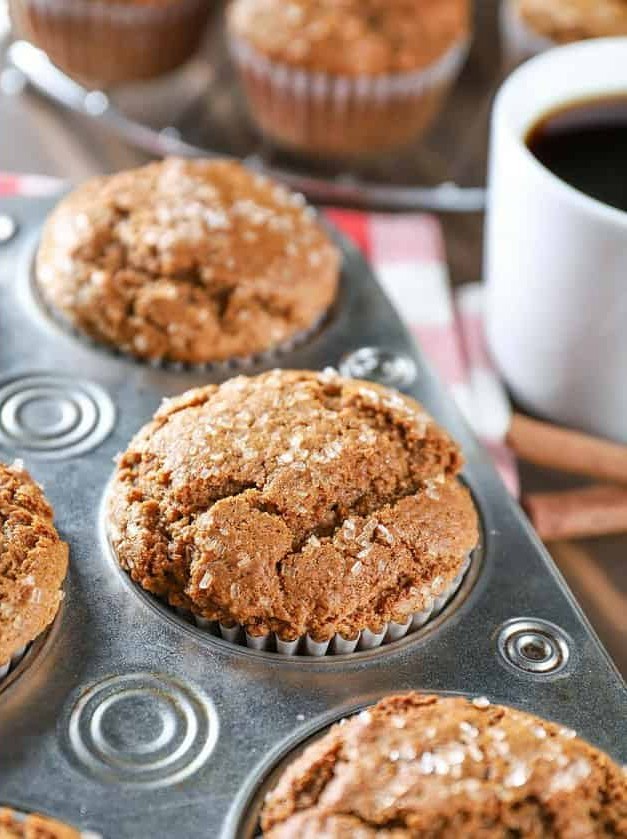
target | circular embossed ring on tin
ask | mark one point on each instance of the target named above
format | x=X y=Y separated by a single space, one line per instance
x=52 y=416
x=141 y=729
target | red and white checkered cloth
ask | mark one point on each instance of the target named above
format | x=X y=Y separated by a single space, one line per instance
x=408 y=255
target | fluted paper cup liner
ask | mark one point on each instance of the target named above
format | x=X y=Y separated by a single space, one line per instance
x=305 y=645
x=108 y=43
x=520 y=42
x=343 y=116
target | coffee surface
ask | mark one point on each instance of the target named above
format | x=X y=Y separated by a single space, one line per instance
x=584 y=144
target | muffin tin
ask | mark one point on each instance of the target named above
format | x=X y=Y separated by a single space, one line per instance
x=130 y=721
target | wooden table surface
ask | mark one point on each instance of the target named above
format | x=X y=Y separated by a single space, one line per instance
x=36 y=137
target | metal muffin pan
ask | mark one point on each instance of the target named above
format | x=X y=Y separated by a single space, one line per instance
x=131 y=722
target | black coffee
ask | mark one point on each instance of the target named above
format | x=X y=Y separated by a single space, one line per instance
x=585 y=144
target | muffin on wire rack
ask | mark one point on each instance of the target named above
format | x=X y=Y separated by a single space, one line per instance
x=112 y=42
x=425 y=766
x=351 y=78
x=187 y=261
x=33 y=564
x=532 y=26
x=295 y=511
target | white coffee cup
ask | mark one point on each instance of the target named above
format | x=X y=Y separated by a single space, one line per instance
x=556 y=259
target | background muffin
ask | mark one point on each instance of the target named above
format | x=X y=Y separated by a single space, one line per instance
x=418 y=765
x=34 y=562
x=191 y=261
x=345 y=78
x=108 y=42
x=529 y=27
x=573 y=20
x=293 y=503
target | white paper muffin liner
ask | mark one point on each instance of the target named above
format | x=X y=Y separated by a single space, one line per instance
x=314 y=111
x=12 y=663
x=106 y=43
x=337 y=645
x=519 y=40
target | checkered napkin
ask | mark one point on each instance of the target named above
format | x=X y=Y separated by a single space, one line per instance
x=407 y=253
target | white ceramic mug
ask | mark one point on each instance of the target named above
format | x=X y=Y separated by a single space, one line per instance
x=556 y=259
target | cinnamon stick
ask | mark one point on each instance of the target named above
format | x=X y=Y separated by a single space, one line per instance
x=567 y=451
x=576 y=514
x=584 y=574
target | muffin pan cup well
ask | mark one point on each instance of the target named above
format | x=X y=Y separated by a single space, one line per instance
x=133 y=722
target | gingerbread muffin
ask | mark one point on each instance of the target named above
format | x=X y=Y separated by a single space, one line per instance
x=187 y=261
x=33 y=826
x=423 y=766
x=111 y=42
x=573 y=20
x=347 y=78
x=33 y=563
x=531 y=26
x=294 y=504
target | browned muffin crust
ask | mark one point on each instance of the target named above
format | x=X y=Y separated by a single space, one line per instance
x=33 y=561
x=351 y=37
x=292 y=502
x=33 y=826
x=424 y=766
x=574 y=20
x=190 y=261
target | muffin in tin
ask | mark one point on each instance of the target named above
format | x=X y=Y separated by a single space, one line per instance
x=424 y=766
x=33 y=564
x=15 y=825
x=345 y=79
x=294 y=504
x=532 y=26
x=187 y=261
x=112 y=42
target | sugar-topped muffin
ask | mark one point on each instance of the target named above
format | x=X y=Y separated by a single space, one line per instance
x=33 y=826
x=295 y=503
x=352 y=37
x=346 y=78
x=34 y=562
x=188 y=261
x=416 y=766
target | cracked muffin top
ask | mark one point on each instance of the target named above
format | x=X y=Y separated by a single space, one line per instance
x=33 y=826
x=33 y=561
x=424 y=766
x=574 y=20
x=351 y=37
x=293 y=502
x=188 y=261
